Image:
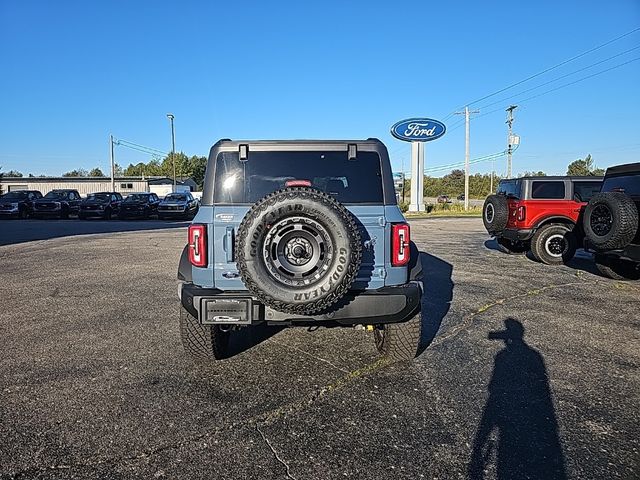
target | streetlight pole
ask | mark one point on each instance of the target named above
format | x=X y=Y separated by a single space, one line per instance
x=111 y=157
x=173 y=148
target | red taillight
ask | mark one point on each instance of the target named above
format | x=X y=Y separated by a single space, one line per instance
x=297 y=183
x=522 y=214
x=198 y=245
x=400 y=244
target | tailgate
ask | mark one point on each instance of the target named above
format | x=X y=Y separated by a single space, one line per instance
x=227 y=219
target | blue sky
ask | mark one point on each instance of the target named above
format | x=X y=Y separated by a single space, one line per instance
x=74 y=71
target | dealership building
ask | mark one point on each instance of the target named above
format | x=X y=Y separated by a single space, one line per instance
x=86 y=185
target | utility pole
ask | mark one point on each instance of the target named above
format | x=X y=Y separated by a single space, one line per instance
x=467 y=114
x=113 y=165
x=492 y=169
x=509 y=138
x=173 y=148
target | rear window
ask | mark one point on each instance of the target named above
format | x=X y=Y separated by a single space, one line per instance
x=547 y=190
x=349 y=181
x=629 y=184
x=510 y=188
x=583 y=191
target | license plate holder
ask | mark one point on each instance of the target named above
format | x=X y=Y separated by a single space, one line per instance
x=229 y=311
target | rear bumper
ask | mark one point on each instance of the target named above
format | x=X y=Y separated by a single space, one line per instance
x=369 y=307
x=630 y=252
x=9 y=213
x=521 y=235
x=92 y=213
x=174 y=213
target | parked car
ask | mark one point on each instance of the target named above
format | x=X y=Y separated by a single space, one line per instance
x=611 y=223
x=18 y=204
x=178 y=205
x=443 y=199
x=139 y=205
x=101 y=205
x=541 y=214
x=299 y=233
x=58 y=203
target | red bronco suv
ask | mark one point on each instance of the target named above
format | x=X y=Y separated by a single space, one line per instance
x=541 y=214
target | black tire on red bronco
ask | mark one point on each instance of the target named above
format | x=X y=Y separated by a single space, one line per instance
x=298 y=250
x=554 y=244
x=495 y=213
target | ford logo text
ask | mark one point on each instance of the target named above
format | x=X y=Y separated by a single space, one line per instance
x=418 y=130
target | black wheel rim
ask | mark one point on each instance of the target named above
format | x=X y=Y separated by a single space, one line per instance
x=298 y=251
x=601 y=220
x=556 y=245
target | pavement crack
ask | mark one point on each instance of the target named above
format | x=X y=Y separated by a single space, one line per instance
x=468 y=320
x=291 y=347
x=275 y=453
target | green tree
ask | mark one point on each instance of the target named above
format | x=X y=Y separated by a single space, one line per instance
x=13 y=174
x=584 y=167
x=96 y=172
x=79 y=172
x=539 y=173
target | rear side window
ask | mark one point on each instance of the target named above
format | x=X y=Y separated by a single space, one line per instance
x=547 y=190
x=583 y=191
x=510 y=188
x=629 y=184
x=350 y=181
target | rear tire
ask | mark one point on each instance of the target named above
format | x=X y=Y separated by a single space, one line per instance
x=617 y=269
x=513 y=247
x=399 y=342
x=202 y=342
x=610 y=220
x=495 y=213
x=554 y=244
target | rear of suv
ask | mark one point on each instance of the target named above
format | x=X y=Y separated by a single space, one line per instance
x=540 y=214
x=611 y=223
x=299 y=233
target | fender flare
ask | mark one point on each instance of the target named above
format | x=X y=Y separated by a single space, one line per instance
x=184 y=267
x=415 y=263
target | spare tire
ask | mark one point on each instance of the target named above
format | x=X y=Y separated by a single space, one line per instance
x=495 y=213
x=610 y=220
x=298 y=250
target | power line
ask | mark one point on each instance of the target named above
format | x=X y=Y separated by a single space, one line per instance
x=563 y=86
x=561 y=77
x=546 y=70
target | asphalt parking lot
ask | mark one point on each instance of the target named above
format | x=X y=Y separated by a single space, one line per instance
x=531 y=371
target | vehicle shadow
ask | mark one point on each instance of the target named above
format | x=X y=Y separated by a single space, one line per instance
x=582 y=261
x=520 y=410
x=437 y=296
x=20 y=231
x=250 y=337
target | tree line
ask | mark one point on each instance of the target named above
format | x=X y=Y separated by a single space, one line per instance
x=194 y=167
x=452 y=184
x=186 y=167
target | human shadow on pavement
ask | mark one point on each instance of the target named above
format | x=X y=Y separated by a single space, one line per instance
x=437 y=296
x=520 y=409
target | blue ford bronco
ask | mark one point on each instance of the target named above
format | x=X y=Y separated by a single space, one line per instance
x=299 y=233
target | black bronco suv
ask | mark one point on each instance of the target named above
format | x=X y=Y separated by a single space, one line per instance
x=611 y=223
x=299 y=233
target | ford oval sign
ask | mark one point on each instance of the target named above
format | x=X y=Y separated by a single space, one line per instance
x=418 y=130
